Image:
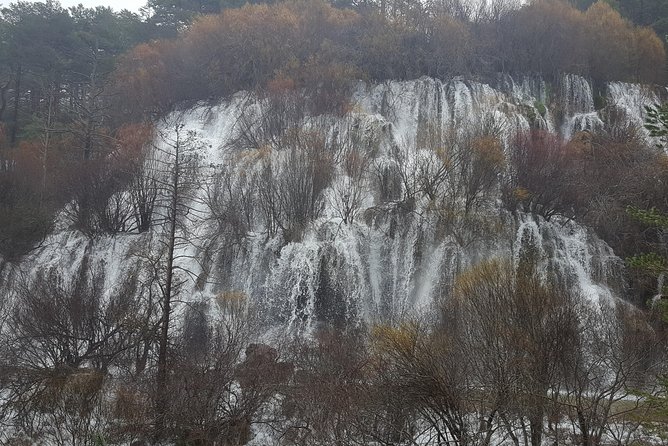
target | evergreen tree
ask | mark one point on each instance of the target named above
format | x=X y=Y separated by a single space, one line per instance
x=655 y=263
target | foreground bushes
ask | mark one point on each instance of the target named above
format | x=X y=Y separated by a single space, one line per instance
x=505 y=355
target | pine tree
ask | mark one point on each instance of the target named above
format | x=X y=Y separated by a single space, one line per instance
x=657 y=123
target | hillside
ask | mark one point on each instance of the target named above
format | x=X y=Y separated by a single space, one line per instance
x=365 y=219
x=305 y=223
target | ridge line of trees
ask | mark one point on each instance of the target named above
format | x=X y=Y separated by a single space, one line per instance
x=313 y=45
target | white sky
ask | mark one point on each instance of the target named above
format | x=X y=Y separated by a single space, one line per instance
x=132 y=5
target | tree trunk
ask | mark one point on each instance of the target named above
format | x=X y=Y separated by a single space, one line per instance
x=536 y=425
x=3 y=99
x=17 y=95
x=161 y=389
x=46 y=139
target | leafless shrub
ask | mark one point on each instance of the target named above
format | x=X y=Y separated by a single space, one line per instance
x=65 y=336
x=98 y=202
x=325 y=399
x=420 y=370
x=540 y=175
x=291 y=183
x=219 y=381
x=348 y=194
x=618 y=352
x=231 y=200
x=281 y=111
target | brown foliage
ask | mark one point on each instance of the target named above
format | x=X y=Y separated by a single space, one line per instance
x=552 y=37
x=317 y=47
x=617 y=172
x=451 y=44
x=648 y=56
x=540 y=175
x=595 y=178
x=146 y=77
x=544 y=37
x=264 y=40
x=609 y=42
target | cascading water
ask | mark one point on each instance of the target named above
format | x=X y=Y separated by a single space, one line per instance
x=577 y=103
x=630 y=100
x=397 y=256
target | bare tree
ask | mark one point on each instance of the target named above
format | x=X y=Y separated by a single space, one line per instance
x=421 y=368
x=291 y=182
x=521 y=330
x=177 y=161
x=231 y=201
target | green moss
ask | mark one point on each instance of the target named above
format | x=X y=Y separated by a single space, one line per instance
x=540 y=107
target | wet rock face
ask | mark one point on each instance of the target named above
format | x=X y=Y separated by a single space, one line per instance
x=362 y=217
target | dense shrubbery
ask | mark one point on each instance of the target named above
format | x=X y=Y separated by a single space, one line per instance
x=109 y=193
x=32 y=189
x=553 y=37
x=594 y=178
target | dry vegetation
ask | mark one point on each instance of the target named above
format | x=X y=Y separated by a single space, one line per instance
x=507 y=356
x=314 y=46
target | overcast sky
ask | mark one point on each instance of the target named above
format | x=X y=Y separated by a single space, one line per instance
x=132 y=5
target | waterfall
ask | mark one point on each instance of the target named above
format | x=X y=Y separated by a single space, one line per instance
x=396 y=257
